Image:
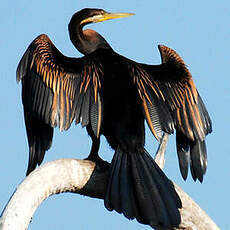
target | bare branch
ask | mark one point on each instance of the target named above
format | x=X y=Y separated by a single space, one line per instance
x=80 y=176
x=64 y=175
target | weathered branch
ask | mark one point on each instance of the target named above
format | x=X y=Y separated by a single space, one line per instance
x=80 y=176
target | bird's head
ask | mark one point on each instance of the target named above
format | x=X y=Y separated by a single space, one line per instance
x=89 y=15
x=88 y=40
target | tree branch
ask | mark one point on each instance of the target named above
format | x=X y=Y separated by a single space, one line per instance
x=80 y=176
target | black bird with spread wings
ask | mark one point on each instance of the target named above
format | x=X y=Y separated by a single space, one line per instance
x=111 y=95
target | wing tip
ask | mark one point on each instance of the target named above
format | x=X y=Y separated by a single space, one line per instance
x=169 y=55
x=23 y=64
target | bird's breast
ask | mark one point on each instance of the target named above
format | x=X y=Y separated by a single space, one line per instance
x=123 y=121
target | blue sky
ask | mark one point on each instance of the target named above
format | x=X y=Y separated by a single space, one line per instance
x=197 y=30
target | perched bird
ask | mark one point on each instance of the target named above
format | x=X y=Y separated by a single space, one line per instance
x=112 y=95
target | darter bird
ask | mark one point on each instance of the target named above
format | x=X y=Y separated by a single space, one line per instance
x=112 y=95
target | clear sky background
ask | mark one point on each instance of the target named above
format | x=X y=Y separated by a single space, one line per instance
x=198 y=30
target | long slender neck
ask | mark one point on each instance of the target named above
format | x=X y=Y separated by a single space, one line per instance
x=85 y=41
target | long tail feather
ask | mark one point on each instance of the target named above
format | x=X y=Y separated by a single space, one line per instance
x=139 y=189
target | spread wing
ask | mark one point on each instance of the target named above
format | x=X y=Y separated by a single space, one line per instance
x=55 y=91
x=171 y=101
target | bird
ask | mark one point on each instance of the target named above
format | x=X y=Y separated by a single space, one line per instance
x=113 y=96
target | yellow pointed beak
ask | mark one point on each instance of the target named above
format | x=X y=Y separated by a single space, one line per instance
x=105 y=16
x=108 y=16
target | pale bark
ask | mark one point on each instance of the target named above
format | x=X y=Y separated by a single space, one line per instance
x=80 y=176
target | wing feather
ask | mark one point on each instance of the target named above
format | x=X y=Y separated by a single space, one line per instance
x=170 y=100
x=156 y=113
x=55 y=91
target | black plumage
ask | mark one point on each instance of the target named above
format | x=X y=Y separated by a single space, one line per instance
x=111 y=95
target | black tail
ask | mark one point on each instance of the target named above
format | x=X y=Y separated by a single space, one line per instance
x=139 y=189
